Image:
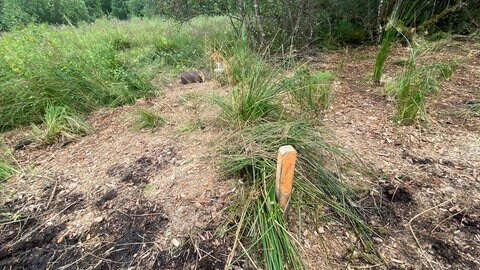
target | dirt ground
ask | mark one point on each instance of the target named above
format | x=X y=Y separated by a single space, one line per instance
x=127 y=199
x=428 y=181
x=121 y=198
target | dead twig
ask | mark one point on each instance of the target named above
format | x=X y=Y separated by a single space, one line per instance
x=447 y=218
x=248 y=256
x=228 y=265
x=413 y=233
x=52 y=195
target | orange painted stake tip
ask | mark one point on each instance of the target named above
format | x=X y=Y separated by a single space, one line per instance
x=287 y=157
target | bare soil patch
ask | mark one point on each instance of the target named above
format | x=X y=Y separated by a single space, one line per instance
x=427 y=174
x=121 y=198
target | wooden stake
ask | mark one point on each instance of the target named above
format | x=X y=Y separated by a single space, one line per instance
x=287 y=156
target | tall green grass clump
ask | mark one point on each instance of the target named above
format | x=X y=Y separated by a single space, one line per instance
x=383 y=52
x=61 y=124
x=6 y=170
x=410 y=98
x=312 y=90
x=256 y=86
x=251 y=155
x=255 y=112
x=415 y=83
x=42 y=65
x=253 y=100
x=400 y=22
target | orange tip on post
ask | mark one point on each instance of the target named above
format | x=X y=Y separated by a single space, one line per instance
x=287 y=156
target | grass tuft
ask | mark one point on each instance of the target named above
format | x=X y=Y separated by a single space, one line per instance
x=415 y=83
x=251 y=155
x=256 y=86
x=6 y=161
x=148 y=119
x=312 y=90
x=474 y=108
x=6 y=170
x=61 y=124
x=382 y=55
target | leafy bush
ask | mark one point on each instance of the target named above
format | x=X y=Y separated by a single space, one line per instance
x=120 y=9
x=18 y=13
x=299 y=23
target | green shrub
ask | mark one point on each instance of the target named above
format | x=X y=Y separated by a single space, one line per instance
x=18 y=13
x=120 y=9
x=61 y=124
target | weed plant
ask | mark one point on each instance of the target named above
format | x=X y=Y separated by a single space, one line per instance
x=61 y=124
x=148 y=119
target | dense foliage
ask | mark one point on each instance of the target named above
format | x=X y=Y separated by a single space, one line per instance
x=18 y=13
x=299 y=22
x=106 y=63
x=325 y=22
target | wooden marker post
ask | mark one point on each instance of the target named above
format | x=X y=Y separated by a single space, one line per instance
x=287 y=156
